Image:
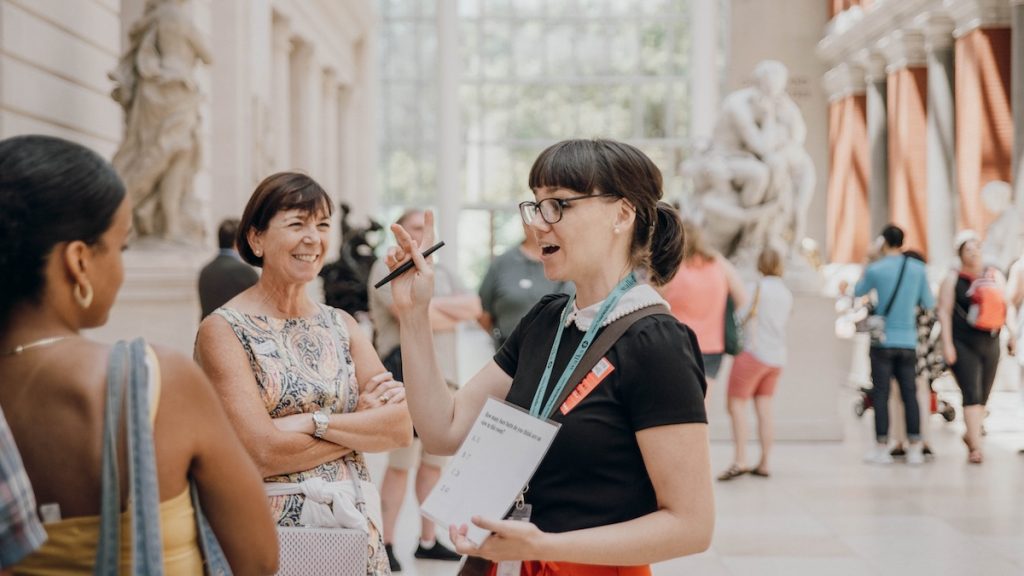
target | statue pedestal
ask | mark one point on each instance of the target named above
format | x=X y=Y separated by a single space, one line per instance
x=807 y=400
x=159 y=299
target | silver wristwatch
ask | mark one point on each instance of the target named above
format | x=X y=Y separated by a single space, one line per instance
x=320 y=420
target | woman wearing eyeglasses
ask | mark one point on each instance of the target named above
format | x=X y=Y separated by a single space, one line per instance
x=626 y=481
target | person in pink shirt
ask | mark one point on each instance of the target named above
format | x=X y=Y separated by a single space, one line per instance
x=697 y=296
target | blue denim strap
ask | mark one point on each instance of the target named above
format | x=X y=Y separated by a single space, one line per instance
x=215 y=562
x=107 y=549
x=144 y=499
x=127 y=370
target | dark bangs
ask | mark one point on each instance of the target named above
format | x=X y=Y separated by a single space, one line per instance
x=571 y=164
x=310 y=199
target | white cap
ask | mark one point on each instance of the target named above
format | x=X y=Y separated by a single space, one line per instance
x=964 y=236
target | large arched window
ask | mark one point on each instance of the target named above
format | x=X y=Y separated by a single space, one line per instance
x=532 y=72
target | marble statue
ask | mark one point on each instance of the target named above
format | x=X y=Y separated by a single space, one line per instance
x=159 y=156
x=755 y=181
x=732 y=224
x=1002 y=244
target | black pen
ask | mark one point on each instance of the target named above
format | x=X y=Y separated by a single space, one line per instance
x=407 y=266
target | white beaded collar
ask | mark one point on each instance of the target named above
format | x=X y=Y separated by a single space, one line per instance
x=639 y=296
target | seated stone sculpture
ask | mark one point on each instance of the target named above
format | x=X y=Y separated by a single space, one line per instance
x=1002 y=243
x=756 y=181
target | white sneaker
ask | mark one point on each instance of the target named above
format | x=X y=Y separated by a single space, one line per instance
x=879 y=455
x=915 y=454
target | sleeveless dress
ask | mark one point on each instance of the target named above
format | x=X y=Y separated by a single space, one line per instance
x=302 y=365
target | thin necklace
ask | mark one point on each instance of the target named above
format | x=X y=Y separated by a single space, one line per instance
x=35 y=344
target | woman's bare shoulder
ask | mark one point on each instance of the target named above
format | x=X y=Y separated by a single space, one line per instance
x=177 y=368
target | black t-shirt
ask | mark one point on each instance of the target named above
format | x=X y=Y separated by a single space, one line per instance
x=594 y=473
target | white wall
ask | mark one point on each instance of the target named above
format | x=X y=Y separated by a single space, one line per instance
x=53 y=70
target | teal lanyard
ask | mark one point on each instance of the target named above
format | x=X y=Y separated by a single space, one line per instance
x=609 y=302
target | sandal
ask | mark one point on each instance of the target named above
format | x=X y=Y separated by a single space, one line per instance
x=760 y=473
x=731 y=473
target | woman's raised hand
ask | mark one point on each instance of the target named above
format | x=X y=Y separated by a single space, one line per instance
x=413 y=289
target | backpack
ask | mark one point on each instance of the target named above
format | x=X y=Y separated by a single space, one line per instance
x=987 y=310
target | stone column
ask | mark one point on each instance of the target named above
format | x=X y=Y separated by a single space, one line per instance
x=878 y=140
x=704 y=80
x=232 y=104
x=305 y=95
x=848 y=218
x=280 y=80
x=907 y=106
x=360 y=121
x=449 y=134
x=942 y=203
x=984 y=135
x=348 y=177
x=1017 y=62
x=328 y=130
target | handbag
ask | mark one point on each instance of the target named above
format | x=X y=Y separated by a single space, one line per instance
x=734 y=327
x=305 y=551
x=128 y=384
x=319 y=550
x=874 y=322
x=606 y=338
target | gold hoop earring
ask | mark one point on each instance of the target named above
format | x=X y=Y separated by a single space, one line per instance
x=83 y=295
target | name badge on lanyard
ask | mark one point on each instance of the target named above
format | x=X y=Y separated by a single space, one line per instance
x=598 y=373
x=521 y=513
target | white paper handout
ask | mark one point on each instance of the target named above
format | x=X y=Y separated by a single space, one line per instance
x=497 y=458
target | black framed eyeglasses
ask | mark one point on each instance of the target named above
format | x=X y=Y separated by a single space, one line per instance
x=550 y=209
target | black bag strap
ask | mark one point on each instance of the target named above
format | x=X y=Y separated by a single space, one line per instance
x=753 y=307
x=896 y=291
x=607 y=338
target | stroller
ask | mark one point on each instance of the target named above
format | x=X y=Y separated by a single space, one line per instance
x=930 y=365
x=863 y=403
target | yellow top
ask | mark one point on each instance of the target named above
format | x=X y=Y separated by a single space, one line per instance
x=70 y=546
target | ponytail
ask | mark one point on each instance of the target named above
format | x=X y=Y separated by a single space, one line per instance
x=666 y=252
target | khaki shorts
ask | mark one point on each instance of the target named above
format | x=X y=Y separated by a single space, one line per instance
x=407 y=458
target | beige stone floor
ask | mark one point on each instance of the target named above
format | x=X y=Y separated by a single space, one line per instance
x=825 y=512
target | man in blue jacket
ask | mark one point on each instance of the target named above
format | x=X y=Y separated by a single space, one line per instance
x=900 y=285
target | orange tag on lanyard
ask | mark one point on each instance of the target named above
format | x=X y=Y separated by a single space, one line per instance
x=599 y=372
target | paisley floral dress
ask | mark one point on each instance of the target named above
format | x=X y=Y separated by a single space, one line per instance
x=302 y=365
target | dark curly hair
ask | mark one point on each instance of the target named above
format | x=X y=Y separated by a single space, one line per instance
x=51 y=191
